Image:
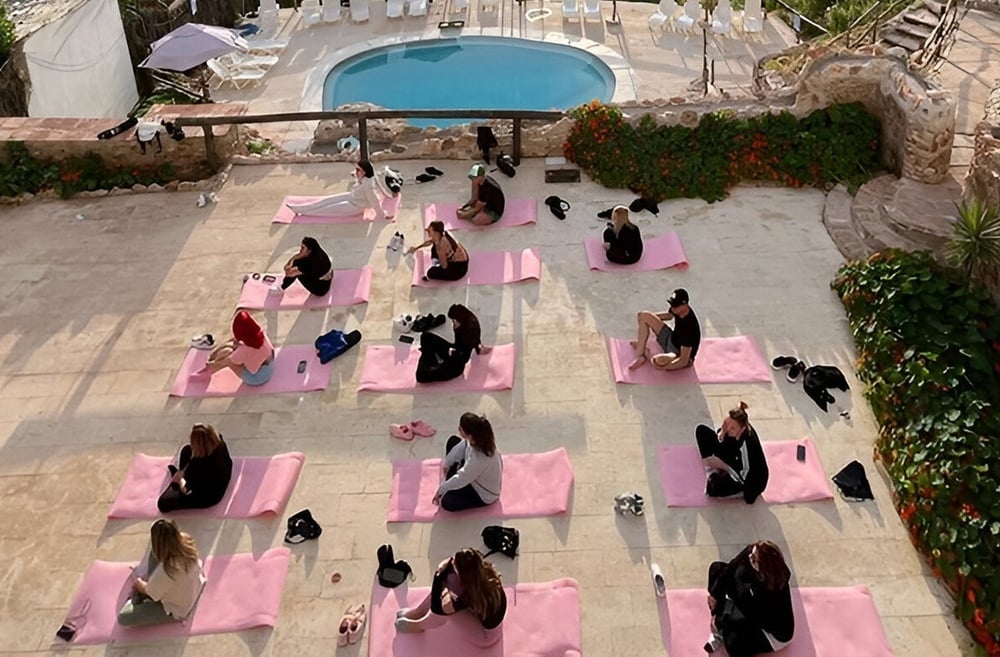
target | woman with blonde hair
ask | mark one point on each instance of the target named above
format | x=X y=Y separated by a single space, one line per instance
x=202 y=472
x=622 y=239
x=733 y=457
x=464 y=582
x=751 y=602
x=360 y=196
x=450 y=258
x=472 y=468
x=171 y=582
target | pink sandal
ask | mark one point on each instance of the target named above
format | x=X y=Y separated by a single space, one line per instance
x=401 y=431
x=357 y=625
x=344 y=628
x=422 y=429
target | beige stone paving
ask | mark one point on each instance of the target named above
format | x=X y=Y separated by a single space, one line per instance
x=96 y=318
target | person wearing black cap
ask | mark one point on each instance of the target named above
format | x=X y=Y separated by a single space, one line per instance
x=487 y=202
x=360 y=196
x=679 y=344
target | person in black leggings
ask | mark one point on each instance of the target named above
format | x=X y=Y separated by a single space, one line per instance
x=733 y=457
x=472 y=468
x=202 y=474
x=751 y=602
x=622 y=239
x=451 y=260
x=441 y=360
x=311 y=267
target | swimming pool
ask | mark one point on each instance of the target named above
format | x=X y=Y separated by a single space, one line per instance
x=470 y=73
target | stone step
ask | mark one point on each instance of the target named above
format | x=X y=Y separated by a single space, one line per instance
x=868 y=219
x=935 y=8
x=904 y=41
x=840 y=226
x=921 y=32
x=921 y=17
x=923 y=213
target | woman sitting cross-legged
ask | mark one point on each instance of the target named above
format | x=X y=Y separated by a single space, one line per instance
x=249 y=354
x=751 y=602
x=733 y=457
x=472 y=469
x=465 y=582
x=360 y=196
x=171 y=579
x=441 y=360
x=311 y=267
x=622 y=239
x=202 y=474
x=450 y=259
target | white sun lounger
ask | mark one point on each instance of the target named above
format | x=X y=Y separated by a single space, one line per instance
x=663 y=17
x=689 y=19
x=359 y=11
x=394 y=8
x=570 y=9
x=722 y=18
x=591 y=10
x=331 y=11
x=310 y=12
x=238 y=79
x=240 y=61
x=753 y=17
x=267 y=46
x=417 y=8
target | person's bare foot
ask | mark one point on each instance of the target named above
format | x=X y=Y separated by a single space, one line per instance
x=637 y=362
x=405 y=625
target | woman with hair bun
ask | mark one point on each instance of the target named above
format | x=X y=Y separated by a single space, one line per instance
x=360 y=196
x=733 y=457
x=450 y=259
x=472 y=468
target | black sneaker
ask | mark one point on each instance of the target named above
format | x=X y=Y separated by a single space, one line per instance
x=438 y=320
x=434 y=171
x=422 y=323
x=781 y=362
x=605 y=214
x=796 y=371
x=424 y=177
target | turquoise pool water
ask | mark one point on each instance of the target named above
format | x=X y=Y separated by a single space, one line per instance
x=470 y=73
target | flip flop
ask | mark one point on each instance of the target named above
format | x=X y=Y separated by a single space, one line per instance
x=422 y=429
x=558 y=206
x=423 y=177
x=401 y=431
x=434 y=171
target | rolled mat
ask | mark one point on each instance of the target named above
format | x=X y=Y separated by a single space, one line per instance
x=284 y=215
x=662 y=252
x=393 y=368
x=517 y=212
x=350 y=287
x=225 y=383
x=533 y=485
x=829 y=622
x=719 y=360
x=242 y=591
x=683 y=475
x=259 y=485
x=485 y=268
x=543 y=620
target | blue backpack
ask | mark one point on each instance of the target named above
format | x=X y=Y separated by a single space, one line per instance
x=332 y=344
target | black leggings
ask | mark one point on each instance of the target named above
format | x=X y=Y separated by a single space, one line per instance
x=616 y=253
x=439 y=361
x=744 y=640
x=719 y=484
x=173 y=499
x=455 y=270
x=315 y=286
x=462 y=498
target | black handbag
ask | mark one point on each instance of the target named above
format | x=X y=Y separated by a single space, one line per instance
x=302 y=527
x=853 y=483
x=504 y=540
x=391 y=573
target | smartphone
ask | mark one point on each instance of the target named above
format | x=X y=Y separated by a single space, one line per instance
x=66 y=632
x=408 y=339
x=268 y=278
x=302 y=367
x=800 y=453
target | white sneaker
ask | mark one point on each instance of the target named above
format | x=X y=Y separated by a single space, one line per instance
x=204 y=342
x=404 y=323
x=714 y=643
x=202 y=201
x=659 y=584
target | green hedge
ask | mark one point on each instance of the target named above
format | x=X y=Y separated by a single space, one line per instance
x=839 y=144
x=929 y=351
x=21 y=173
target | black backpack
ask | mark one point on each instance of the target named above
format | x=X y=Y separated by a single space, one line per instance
x=391 y=573
x=504 y=540
x=853 y=483
x=506 y=164
x=302 y=527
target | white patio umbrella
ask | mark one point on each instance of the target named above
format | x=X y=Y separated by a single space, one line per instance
x=192 y=44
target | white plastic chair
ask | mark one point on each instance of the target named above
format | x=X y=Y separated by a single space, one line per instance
x=570 y=9
x=239 y=79
x=359 y=11
x=591 y=10
x=417 y=8
x=722 y=18
x=753 y=16
x=690 y=17
x=331 y=11
x=394 y=8
x=310 y=12
x=665 y=14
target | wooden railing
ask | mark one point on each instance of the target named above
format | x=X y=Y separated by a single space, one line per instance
x=363 y=116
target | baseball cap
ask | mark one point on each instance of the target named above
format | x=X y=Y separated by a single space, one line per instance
x=477 y=170
x=678 y=298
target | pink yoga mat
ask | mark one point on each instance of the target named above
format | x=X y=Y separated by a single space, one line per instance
x=829 y=622
x=517 y=212
x=226 y=384
x=533 y=485
x=683 y=475
x=720 y=360
x=661 y=252
x=485 y=268
x=393 y=368
x=259 y=485
x=350 y=287
x=390 y=205
x=242 y=591
x=543 y=620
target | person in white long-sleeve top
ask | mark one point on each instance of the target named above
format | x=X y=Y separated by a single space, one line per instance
x=360 y=196
x=472 y=468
